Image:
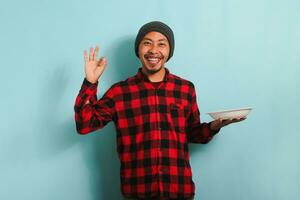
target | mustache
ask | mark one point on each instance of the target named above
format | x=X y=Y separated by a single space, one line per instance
x=156 y=55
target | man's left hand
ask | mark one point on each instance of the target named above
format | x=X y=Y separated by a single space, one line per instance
x=219 y=123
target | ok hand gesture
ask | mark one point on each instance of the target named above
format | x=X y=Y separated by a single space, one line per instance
x=93 y=67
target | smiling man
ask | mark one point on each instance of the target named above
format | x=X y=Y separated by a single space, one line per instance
x=155 y=114
x=154 y=45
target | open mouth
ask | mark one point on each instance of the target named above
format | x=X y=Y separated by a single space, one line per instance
x=153 y=60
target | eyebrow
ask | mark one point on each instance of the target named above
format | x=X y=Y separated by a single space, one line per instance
x=158 y=40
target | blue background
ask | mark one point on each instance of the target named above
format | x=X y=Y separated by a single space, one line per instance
x=238 y=53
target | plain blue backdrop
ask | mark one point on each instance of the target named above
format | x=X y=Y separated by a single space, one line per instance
x=238 y=53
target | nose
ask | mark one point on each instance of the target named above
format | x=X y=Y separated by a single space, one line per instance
x=153 y=49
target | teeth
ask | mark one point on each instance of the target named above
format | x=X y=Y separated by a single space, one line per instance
x=153 y=60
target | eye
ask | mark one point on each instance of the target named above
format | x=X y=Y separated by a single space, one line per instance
x=146 y=43
x=162 y=44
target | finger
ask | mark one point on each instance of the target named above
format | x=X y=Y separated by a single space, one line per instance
x=225 y=122
x=85 y=56
x=102 y=61
x=96 y=53
x=235 y=120
x=239 y=119
x=91 y=53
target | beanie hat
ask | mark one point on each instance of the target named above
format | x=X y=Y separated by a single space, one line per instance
x=158 y=27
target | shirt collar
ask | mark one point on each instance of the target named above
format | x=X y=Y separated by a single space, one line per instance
x=141 y=76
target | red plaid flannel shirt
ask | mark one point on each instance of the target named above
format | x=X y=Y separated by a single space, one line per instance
x=154 y=127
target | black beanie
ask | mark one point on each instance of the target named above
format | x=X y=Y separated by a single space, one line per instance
x=158 y=27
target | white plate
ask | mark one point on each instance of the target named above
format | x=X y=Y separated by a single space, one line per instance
x=231 y=114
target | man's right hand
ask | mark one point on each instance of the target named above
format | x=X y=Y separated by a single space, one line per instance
x=93 y=67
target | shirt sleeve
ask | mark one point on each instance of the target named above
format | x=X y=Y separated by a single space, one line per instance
x=198 y=132
x=92 y=114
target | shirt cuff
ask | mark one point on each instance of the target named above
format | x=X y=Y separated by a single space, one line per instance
x=87 y=83
x=89 y=89
x=213 y=132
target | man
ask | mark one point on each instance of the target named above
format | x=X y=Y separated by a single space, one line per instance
x=155 y=114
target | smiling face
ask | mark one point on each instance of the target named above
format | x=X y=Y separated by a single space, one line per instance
x=154 y=50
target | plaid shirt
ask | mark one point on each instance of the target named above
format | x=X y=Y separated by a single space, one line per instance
x=154 y=126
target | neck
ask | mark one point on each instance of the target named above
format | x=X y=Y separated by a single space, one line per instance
x=155 y=77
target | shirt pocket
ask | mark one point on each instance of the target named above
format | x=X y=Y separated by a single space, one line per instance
x=178 y=116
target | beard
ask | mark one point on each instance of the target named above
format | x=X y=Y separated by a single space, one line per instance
x=153 y=71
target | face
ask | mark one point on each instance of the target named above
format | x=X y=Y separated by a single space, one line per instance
x=154 y=50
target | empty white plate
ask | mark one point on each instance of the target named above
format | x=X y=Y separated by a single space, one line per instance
x=231 y=114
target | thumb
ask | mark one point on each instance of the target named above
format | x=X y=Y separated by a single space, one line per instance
x=100 y=67
x=102 y=62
